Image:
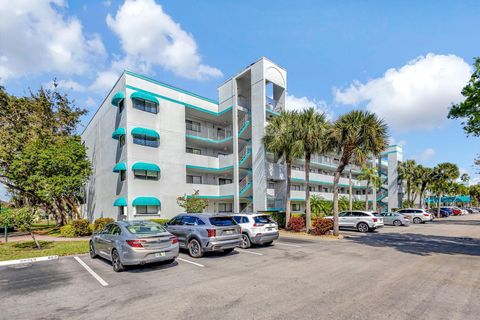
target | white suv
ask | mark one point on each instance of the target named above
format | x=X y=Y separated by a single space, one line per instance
x=363 y=221
x=257 y=228
x=417 y=215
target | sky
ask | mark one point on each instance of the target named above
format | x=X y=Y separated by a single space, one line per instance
x=407 y=61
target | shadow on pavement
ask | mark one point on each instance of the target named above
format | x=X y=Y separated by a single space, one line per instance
x=420 y=244
x=459 y=222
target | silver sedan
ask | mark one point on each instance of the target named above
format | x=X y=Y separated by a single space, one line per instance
x=134 y=242
x=394 y=219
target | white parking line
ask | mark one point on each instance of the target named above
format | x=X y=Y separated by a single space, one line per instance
x=27 y=260
x=251 y=252
x=194 y=263
x=287 y=244
x=96 y=276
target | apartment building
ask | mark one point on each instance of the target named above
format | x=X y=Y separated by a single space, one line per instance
x=150 y=143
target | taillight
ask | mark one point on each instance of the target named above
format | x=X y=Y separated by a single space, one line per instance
x=212 y=233
x=258 y=224
x=426 y=214
x=174 y=240
x=406 y=218
x=375 y=219
x=135 y=243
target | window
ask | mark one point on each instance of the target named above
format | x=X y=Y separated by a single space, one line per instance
x=146 y=174
x=224 y=181
x=121 y=210
x=145 y=105
x=263 y=219
x=225 y=207
x=295 y=206
x=123 y=175
x=177 y=221
x=121 y=105
x=189 y=220
x=311 y=188
x=121 y=140
x=296 y=187
x=325 y=189
x=194 y=179
x=237 y=219
x=145 y=141
x=147 y=209
x=222 y=221
x=194 y=150
x=193 y=125
x=115 y=231
x=145 y=227
x=271 y=185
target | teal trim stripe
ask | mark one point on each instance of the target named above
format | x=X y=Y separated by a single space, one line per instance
x=245 y=188
x=169 y=86
x=187 y=105
x=245 y=126
x=207 y=139
x=273 y=112
x=245 y=158
x=188 y=166
x=146 y=201
x=213 y=197
x=326 y=183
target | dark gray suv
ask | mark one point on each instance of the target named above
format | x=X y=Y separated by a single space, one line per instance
x=199 y=232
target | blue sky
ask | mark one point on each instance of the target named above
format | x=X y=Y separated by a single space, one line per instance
x=337 y=55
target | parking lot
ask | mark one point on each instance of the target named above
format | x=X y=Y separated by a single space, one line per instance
x=419 y=272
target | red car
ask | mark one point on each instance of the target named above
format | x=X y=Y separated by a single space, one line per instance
x=456 y=212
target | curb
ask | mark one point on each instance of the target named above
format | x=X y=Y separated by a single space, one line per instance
x=27 y=260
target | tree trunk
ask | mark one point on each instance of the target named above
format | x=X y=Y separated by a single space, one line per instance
x=438 y=205
x=287 y=201
x=408 y=193
x=34 y=239
x=308 y=213
x=336 y=179
x=350 y=195
x=366 y=195
x=374 y=195
x=59 y=215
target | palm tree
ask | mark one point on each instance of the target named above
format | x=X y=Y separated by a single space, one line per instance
x=443 y=174
x=424 y=178
x=312 y=132
x=406 y=172
x=355 y=137
x=370 y=175
x=282 y=139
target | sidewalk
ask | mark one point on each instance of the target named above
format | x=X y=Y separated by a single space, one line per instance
x=22 y=236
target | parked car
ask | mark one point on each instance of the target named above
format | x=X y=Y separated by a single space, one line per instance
x=455 y=211
x=199 y=232
x=134 y=242
x=257 y=228
x=363 y=221
x=417 y=215
x=443 y=212
x=394 y=219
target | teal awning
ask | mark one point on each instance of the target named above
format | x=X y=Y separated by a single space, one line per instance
x=146 y=166
x=119 y=132
x=121 y=166
x=120 y=202
x=146 y=201
x=117 y=97
x=144 y=96
x=145 y=132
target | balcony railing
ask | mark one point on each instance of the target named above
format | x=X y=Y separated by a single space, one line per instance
x=243 y=122
x=209 y=133
x=245 y=152
x=244 y=183
x=273 y=105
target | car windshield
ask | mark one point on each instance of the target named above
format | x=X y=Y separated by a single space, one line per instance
x=145 y=227
x=222 y=221
x=262 y=219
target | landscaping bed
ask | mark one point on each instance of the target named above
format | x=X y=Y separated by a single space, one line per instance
x=27 y=249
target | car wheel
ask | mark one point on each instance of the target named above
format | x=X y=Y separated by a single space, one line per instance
x=93 y=255
x=269 y=243
x=362 y=227
x=417 y=220
x=227 y=251
x=116 y=263
x=195 y=249
x=397 y=223
x=246 y=243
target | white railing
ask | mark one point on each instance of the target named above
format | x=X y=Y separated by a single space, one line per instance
x=209 y=133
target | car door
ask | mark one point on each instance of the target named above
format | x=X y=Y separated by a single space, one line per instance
x=387 y=218
x=111 y=238
x=345 y=219
x=187 y=227
x=101 y=243
x=174 y=227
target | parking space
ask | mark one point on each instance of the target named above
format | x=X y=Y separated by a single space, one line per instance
x=403 y=272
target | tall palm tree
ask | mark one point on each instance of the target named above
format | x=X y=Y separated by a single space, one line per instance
x=443 y=174
x=282 y=139
x=424 y=178
x=355 y=137
x=406 y=172
x=312 y=132
x=370 y=175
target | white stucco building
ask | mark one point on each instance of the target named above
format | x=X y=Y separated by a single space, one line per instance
x=151 y=142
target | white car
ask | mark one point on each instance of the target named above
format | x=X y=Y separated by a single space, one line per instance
x=363 y=221
x=417 y=215
x=257 y=228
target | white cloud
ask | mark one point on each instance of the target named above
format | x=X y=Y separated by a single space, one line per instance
x=426 y=155
x=90 y=102
x=105 y=80
x=301 y=103
x=393 y=141
x=149 y=37
x=37 y=37
x=67 y=85
x=107 y=3
x=415 y=96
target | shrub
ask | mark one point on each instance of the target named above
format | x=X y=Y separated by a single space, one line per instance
x=160 y=221
x=67 y=231
x=81 y=227
x=279 y=218
x=100 y=223
x=296 y=223
x=321 y=226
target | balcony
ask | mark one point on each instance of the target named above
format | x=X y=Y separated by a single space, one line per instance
x=214 y=134
x=318 y=178
x=276 y=171
x=220 y=162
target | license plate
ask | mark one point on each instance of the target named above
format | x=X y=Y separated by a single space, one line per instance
x=269 y=229
x=228 y=232
x=160 y=254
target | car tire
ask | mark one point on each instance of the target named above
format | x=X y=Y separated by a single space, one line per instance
x=269 y=243
x=246 y=243
x=195 y=249
x=397 y=223
x=116 y=262
x=93 y=255
x=417 y=220
x=227 y=251
x=363 y=227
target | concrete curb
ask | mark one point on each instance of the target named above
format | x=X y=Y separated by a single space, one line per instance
x=27 y=260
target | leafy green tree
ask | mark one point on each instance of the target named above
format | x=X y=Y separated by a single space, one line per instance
x=423 y=178
x=469 y=109
x=23 y=219
x=282 y=139
x=370 y=175
x=474 y=192
x=443 y=175
x=465 y=178
x=312 y=131
x=355 y=137
x=192 y=203
x=406 y=172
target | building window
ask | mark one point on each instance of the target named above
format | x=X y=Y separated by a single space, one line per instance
x=325 y=189
x=121 y=210
x=194 y=150
x=193 y=125
x=311 y=188
x=121 y=140
x=225 y=207
x=121 y=105
x=295 y=206
x=123 y=175
x=296 y=187
x=271 y=185
x=146 y=174
x=224 y=181
x=145 y=141
x=147 y=209
x=194 y=179
x=145 y=105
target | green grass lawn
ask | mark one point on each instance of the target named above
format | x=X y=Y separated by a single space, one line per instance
x=27 y=249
